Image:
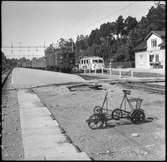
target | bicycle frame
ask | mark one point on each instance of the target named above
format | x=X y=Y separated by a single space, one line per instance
x=125 y=100
x=105 y=101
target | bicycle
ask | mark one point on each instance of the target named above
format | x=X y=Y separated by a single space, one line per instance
x=101 y=115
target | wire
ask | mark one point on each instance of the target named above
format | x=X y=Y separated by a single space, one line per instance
x=91 y=13
x=122 y=8
x=111 y=14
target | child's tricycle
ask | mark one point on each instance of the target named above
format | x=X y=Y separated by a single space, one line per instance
x=102 y=115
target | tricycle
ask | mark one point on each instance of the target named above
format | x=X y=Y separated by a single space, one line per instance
x=101 y=114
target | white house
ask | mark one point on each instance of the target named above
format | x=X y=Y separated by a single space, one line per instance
x=150 y=54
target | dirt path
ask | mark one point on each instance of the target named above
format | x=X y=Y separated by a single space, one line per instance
x=115 y=142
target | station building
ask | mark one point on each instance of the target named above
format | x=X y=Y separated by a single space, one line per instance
x=150 y=54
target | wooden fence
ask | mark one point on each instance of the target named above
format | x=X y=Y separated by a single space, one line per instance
x=110 y=71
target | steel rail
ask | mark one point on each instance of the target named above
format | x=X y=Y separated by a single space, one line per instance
x=6 y=73
x=152 y=88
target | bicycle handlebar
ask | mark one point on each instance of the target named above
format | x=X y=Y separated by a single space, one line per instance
x=108 y=90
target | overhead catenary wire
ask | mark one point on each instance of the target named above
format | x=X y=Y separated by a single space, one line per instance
x=23 y=50
x=113 y=13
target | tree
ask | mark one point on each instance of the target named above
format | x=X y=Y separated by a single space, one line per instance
x=107 y=29
x=82 y=42
x=130 y=23
x=95 y=37
x=4 y=61
x=156 y=17
x=67 y=45
x=61 y=43
x=120 y=26
x=122 y=54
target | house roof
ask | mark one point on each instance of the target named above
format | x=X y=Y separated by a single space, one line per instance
x=141 y=46
x=159 y=33
x=162 y=45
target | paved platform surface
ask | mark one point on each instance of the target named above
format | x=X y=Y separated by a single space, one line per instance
x=27 y=78
x=42 y=137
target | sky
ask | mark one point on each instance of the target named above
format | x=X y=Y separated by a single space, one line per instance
x=33 y=22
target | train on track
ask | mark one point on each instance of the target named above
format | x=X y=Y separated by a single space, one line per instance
x=55 y=59
x=59 y=59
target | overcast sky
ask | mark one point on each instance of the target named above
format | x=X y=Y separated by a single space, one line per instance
x=32 y=23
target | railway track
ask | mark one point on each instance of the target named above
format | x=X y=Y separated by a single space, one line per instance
x=4 y=76
x=147 y=87
x=145 y=84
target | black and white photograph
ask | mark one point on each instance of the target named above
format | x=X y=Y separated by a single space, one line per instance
x=83 y=80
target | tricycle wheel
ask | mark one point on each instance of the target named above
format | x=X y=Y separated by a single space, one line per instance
x=95 y=121
x=97 y=109
x=116 y=114
x=137 y=116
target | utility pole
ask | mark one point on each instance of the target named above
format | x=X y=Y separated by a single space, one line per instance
x=19 y=46
x=11 y=47
x=72 y=47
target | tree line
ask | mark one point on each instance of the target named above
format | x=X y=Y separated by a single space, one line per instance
x=7 y=63
x=116 y=41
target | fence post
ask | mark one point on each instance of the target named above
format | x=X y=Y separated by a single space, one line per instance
x=110 y=71
x=131 y=74
x=84 y=71
x=119 y=73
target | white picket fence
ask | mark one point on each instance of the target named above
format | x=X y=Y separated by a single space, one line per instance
x=110 y=71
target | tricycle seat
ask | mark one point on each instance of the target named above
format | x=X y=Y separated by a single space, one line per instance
x=125 y=91
x=138 y=102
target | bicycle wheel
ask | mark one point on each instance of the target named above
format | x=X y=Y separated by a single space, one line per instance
x=116 y=114
x=95 y=121
x=137 y=116
x=97 y=109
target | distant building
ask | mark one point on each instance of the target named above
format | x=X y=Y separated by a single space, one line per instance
x=150 y=54
x=38 y=62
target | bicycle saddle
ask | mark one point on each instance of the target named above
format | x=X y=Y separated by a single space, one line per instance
x=126 y=91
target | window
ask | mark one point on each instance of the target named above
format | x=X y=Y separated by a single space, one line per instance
x=156 y=58
x=151 y=58
x=85 y=61
x=153 y=43
x=100 y=61
x=95 y=61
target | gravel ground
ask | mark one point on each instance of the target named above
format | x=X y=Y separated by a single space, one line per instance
x=72 y=108
x=11 y=146
x=115 y=142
